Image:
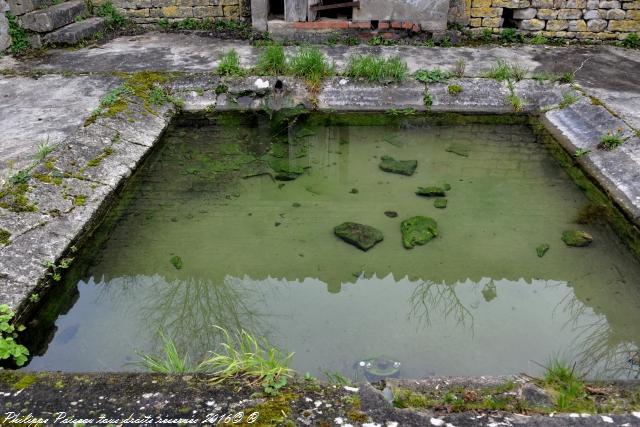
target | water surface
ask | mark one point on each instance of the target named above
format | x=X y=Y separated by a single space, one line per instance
x=260 y=254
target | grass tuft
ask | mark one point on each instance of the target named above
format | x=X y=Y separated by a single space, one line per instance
x=310 y=64
x=170 y=363
x=272 y=61
x=612 y=140
x=253 y=358
x=502 y=71
x=373 y=69
x=230 y=64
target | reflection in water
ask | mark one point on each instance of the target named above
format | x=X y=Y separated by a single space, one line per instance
x=599 y=349
x=186 y=310
x=441 y=298
x=428 y=328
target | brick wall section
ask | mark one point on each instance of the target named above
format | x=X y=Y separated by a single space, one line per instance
x=149 y=11
x=580 y=19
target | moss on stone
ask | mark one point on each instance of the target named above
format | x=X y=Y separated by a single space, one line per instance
x=418 y=231
x=273 y=411
x=576 y=238
x=79 y=200
x=5 y=237
x=430 y=191
x=440 y=203
x=542 y=249
x=14 y=198
x=25 y=381
x=401 y=167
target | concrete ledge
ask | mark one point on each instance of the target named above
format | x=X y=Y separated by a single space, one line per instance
x=154 y=398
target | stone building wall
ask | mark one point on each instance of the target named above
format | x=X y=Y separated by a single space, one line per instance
x=5 y=40
x=148 y=11
x=581 y=19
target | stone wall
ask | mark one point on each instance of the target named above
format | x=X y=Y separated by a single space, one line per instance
x=148 y=11
x=5 y=40
x=581 y=19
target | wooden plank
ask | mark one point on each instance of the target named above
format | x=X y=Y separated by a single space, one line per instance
x=295 y=10
x=335 y=6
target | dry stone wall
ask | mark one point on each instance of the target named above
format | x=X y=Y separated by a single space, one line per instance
x=5 y=40
x=149 y=11
x=581 y=19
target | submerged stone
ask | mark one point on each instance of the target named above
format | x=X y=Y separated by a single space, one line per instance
x=402 y=167
x=440 y=203
x=430 y=191
x=391 y=214
x=577 y=238
x=362 y=236
x=446 y=187
x=460 y=150
x=542 y=249
x=354 y=191
x=418 y=231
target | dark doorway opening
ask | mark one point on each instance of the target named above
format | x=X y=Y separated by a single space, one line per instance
x=508 y=21
x=276 y=9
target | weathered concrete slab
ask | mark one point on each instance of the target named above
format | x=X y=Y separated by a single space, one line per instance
x=73 y=33
x=616 y=86
x=53 y=17
x=37 y=110
x=349 y=95
x=582 y=126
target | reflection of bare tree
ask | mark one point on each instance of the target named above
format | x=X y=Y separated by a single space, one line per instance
x=597 y=348
x=187 y=310
x=429 y=297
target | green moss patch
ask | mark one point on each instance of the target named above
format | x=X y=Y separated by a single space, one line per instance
x=5 y=237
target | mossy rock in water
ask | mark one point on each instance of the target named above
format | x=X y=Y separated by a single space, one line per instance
x=176 y=261
x=440 y=203
x=542 y=249
x=402 y=167
x=418 y=231
x=362 y=236
x=577 y=238
x=430 y=191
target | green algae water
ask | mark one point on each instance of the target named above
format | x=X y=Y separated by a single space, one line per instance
x=207 y=235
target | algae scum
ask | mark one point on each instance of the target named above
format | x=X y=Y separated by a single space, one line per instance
x=231 y=223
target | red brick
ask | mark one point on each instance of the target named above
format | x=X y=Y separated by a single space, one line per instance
x=407 y=25
x=363 y=25
x=396 y=24
x=321 y=25
x=416 y=28
x=390 y=36
x=383 y=25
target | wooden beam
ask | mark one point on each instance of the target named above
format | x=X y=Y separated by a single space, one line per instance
x=335 y=6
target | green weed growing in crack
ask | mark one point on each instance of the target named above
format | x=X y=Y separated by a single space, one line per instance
x=230 y=64
x=568 y=98
x=612 y=140
x=435 y=75
x=54 y=271
x=502 y=71
x=9 y=348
